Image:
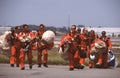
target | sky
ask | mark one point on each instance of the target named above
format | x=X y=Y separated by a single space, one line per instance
x=60 y=12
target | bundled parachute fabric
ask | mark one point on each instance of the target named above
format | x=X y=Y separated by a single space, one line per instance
x=63 y=50
x=3 y=41
x=99 y=47
x=112 y=59
x=48 y=37
x=4 y=44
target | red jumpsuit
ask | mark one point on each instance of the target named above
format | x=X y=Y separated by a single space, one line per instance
x=78 y=52
x=15 y=48
x=72 y=50
x=23 y=52
x=40 y=49
x=62 y=40
x=83 y=52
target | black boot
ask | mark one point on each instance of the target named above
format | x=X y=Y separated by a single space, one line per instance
x=12 y=65
x=30 y=66
x=77 y=67
x=45 y=65
x=71 y=69
x=39 y=65
x=17 y=65
x=23 y=68
x=82 y=66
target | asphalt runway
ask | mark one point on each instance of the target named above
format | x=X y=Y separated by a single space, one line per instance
x=56 y=71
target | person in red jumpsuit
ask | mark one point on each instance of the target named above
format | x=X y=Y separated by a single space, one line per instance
x=84 y=44
x=26 y=37
x=69 y=39
x=41 y=48
x=108 y=43
x=15 y=48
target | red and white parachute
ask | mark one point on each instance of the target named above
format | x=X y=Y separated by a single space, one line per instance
x=3 y=42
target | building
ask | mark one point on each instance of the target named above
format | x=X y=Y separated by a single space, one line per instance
x=112 y=32
x=3 y=29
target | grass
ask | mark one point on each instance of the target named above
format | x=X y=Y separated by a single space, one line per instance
x=53 y=58
x=116 y=44
x=4 y=59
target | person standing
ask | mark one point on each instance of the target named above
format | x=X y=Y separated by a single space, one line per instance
x=72 y=48
x=26 y=37
x=84 y=44
x=109 y=47
x=15 y=48
x=41 y=48
x=93 y=38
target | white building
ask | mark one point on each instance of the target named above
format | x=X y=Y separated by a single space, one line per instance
x=3 y=29
x=109 y=31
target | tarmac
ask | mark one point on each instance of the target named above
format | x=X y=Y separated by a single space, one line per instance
x=56 y=71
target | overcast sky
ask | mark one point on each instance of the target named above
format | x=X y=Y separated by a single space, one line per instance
x=59 y=12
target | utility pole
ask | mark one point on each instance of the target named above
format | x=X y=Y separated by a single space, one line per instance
x=68 y=22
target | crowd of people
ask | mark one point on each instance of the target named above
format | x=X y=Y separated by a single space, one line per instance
x=80 y=46
x=80 y=42
x=23 y=41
